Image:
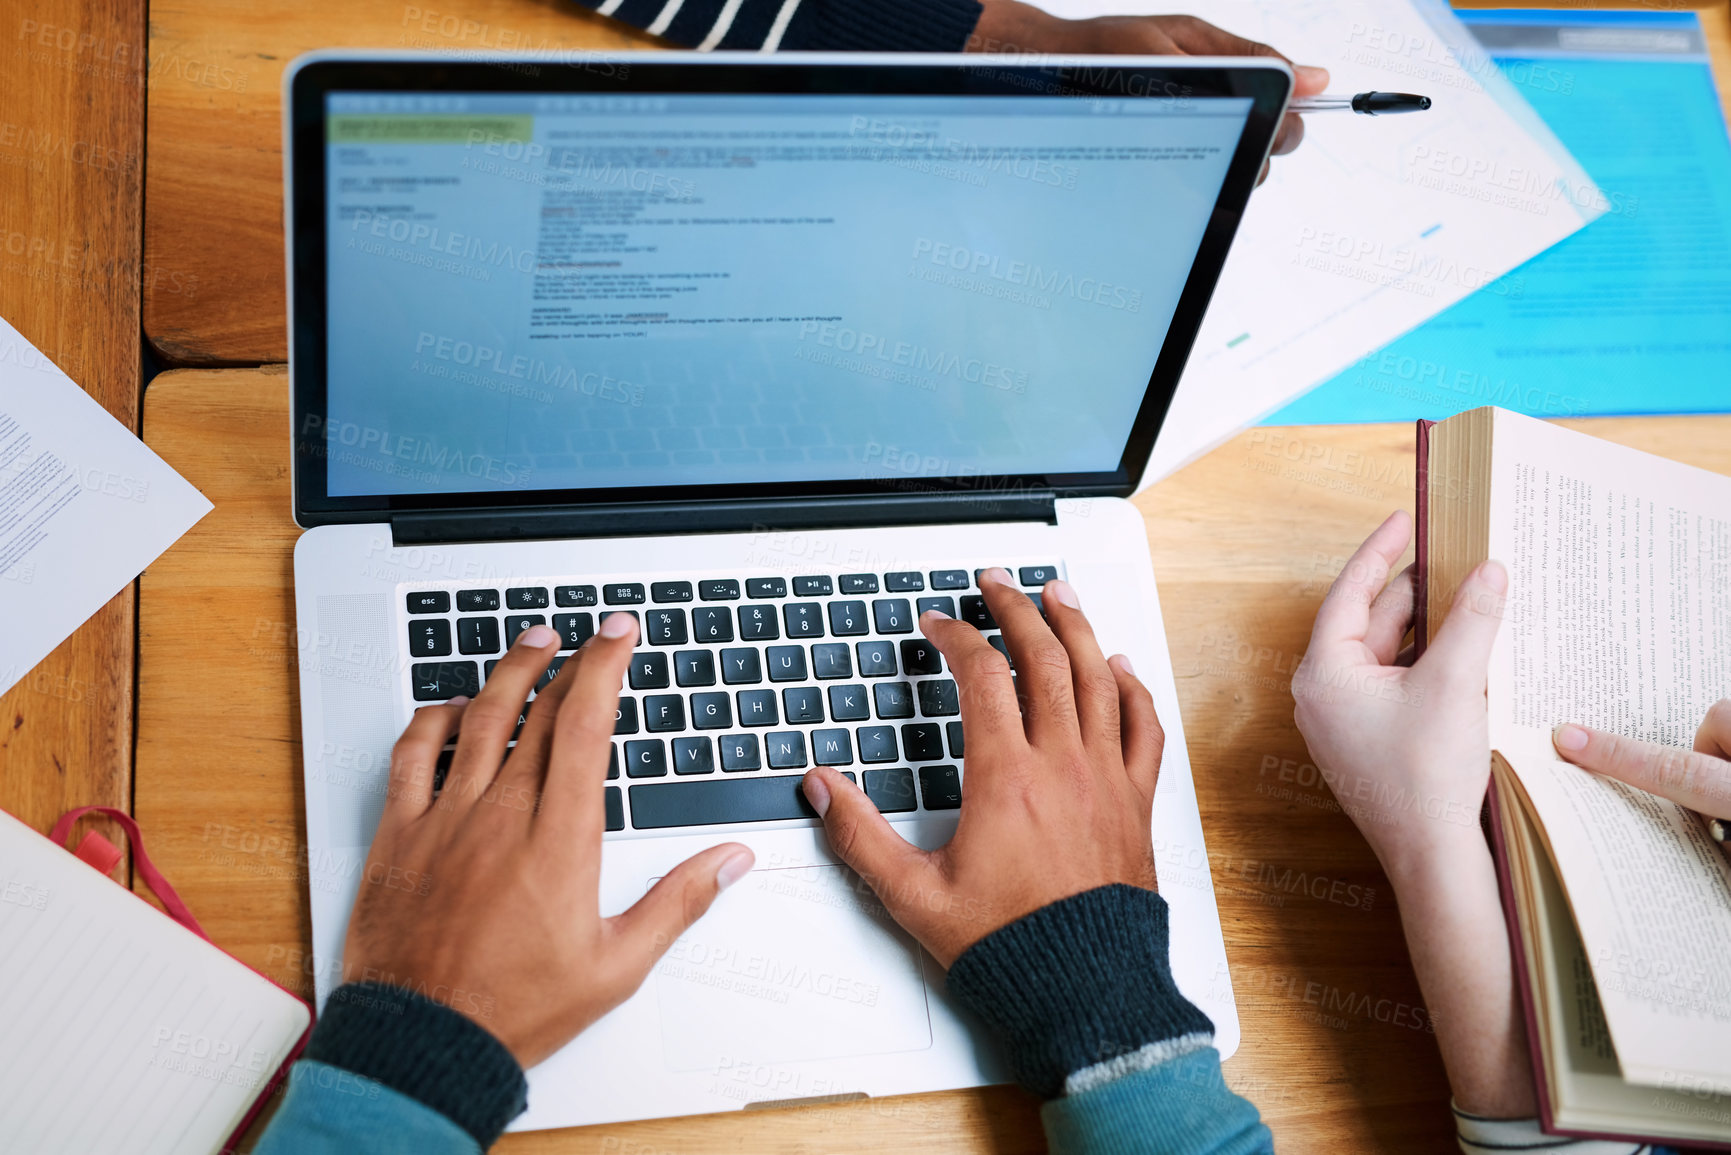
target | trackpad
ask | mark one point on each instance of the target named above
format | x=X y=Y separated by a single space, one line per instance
x=789 y=965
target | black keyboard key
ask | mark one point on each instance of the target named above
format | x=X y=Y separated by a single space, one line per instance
x=615 y=809
x=441 y=768
x=877 y=743
x=670 y=591
x=894 y=699
x=891 y=791
x=739 y=753
x=950 y=579
x=1037 y=575
x=817 y=586
x=831 y=660
x=975 y=613
x=714 y=801
x=859 y=583
x=832 y=747
x=848 y=703
x=489 y=667
x=718 y=590
x=569 y=596
x=646 y=758
x=612 y=760
x=848 y=618
x=757 y=624
x=939 y=700
x=711 y=711
x=803 y=619
x=954 y=730
x=920 y=658
x=997 y=643
x=712 y=624
x=803 y=705
x=430 y=638
x=547 y=675
x=648 y=671
x=515 y=624
x=693 y=756
x=786 y=749
x=625 y=716
x=771 y=587
x=941 y=787
x=786 y=663
x=623 y=594
x=665 y=627
x=436 y=681
x=694 y=667
x=757 y=708
x=901 y=583
x=574 y=630
x=526 y=598
x=923 y=741
x=1039 y=601
x=663 y=712
x=430 y=602
x=877 y=658
x=944 y=605
x=741 y=667
x=893 y=616
x=477 y=601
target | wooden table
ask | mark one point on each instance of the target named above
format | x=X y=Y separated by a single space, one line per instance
x=213 y=231
x=1244 y=552
x=71 y=165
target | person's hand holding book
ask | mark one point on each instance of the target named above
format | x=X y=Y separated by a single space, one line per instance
x=1699 y=779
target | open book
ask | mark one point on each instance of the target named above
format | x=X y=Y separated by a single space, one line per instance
x=124 y=1031
x=1619 y=617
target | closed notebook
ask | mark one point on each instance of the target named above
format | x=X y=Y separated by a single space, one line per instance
x=124 y=1030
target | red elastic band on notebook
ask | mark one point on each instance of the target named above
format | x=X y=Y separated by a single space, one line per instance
x=95 y=850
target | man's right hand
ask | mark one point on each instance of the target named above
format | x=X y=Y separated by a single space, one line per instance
x=1698 y=779
x=1060 y=787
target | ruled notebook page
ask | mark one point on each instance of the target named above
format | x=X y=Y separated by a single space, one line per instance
x=123 y=1031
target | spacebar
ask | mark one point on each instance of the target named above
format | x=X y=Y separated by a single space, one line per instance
x=657 y=805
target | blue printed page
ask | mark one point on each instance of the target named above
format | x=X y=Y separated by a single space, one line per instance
x=1633 y=313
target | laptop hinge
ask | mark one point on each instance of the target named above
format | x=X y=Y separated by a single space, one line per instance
x=643 y=519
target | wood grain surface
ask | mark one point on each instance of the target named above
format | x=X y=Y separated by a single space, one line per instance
x=71 y=164
x=1335 y=1049
x=213 y=229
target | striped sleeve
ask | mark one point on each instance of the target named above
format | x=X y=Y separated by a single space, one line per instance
x=801 y=25
x=1481 y=1136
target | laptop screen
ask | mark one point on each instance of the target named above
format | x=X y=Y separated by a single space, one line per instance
x=559 y=292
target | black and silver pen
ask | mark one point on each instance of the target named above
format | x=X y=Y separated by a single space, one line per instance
x=1368 y=103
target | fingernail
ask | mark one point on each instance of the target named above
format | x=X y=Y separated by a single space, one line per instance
x=817 y=793
x=995 y=573
x=1495 y=577
x=459 y=700
x=1124 y=664
x=939 y=614
x=618 y=626
x=1311 y=74
x=1066 y=593
x=1570 y=737
x=734 y=869
x=537 y=637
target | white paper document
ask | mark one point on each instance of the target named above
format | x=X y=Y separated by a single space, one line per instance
x=1375 y=224
x=84 y=506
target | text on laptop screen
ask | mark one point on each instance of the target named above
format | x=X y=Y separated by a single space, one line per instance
x=572 y=292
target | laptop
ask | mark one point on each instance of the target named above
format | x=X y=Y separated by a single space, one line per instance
x=774 y=353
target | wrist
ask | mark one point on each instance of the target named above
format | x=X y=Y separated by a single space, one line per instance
x=1415 y=862
x=1013 y=27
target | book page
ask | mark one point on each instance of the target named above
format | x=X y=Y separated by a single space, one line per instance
x=1619 y=616
x=124 y=1030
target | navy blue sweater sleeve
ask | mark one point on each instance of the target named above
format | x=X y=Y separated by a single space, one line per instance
x=423 y=1050
x=802 y=25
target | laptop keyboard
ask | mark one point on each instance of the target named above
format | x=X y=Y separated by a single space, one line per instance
x=740 y=684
